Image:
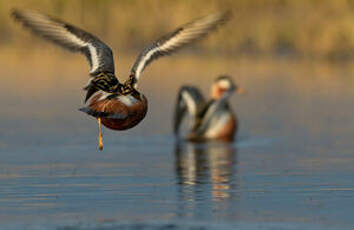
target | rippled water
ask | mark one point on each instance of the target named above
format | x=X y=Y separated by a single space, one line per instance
x=290 y=168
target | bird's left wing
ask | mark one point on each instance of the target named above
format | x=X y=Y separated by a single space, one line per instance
x=190 y=100
x=70 y=37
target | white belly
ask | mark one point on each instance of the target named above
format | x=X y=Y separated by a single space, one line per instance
x=217 y=125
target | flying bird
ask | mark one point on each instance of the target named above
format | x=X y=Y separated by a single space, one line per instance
x=209 y=120
x=116 y=105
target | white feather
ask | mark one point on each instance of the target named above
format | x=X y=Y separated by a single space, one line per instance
x=74 y=39
x=57 y=30
x=191 y=105
x=94 y=57
x=180 y=38
x=141 y=65
x=104 y=95
x=217 y=125
x=225 y=84
x=45 y=24
x=128 y=100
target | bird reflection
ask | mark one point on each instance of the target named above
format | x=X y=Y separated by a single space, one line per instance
x=211 y=166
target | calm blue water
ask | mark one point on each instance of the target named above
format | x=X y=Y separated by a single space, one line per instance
x=291 y=167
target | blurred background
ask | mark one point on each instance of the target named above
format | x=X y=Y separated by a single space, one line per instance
x=311 y=28
x=293 y=158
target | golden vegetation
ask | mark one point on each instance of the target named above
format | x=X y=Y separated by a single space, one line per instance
x=300 y=28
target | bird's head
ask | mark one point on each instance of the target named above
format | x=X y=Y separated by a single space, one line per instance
x=223 y=86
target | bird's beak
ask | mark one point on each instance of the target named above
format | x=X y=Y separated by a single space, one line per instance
x=240 y=91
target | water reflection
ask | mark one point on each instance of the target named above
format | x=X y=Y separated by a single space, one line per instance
x=206 y=168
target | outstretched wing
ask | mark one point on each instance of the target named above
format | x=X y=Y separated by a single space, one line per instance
x=178 y=39
x=70 y=37
x=190 y=100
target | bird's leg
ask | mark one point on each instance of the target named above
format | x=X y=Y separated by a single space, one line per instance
x=100 y=142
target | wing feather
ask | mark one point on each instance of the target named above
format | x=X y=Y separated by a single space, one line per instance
x=178 y=39
x=99 y=55
x=190 y=100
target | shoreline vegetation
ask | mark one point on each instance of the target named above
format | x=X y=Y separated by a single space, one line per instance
x=316 y=29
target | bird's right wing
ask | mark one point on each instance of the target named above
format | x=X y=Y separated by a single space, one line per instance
x=178 y=39
x=190 y=100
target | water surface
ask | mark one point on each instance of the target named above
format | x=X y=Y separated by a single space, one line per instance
x=290 y=168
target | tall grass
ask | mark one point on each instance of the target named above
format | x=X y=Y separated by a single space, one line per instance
x=301 y=28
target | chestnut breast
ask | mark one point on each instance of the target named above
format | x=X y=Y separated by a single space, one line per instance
x=228 y=131
x=223 y=128
x=134 y=107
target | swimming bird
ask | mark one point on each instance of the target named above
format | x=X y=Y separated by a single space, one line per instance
x=116 y=105
x=212 y=119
